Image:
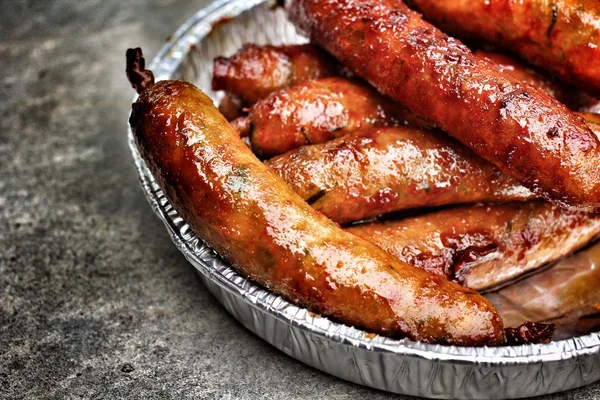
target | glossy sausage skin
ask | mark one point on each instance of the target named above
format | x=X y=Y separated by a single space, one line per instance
x=364 y=174
x=254 y=72
x=314 y=112
x=519 y=128
x=231 y=107
x=251 y=71
x=484 y=245
x=256 y=222
x=572 y=98
x=562 y=37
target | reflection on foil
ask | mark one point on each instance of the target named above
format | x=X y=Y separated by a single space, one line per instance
x=566 y=295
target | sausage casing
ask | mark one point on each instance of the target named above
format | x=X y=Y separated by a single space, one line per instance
x=231 y=107
x=250 y=74
x=255 y=221
x=254 y=72
x=314 y=112
x=482 y=246
x=562 y=37
x=380 y=170
x=519 y=128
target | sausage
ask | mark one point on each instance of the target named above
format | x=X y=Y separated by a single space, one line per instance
x=270 y=235
x=260 y=60
x=314 y=112
x=572 y=98
x=231 y=107
x=380 y=170
x=483 y=245
x=254 y=72
x=562 y=37
x=519 y=128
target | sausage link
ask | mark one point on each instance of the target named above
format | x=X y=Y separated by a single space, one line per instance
x=314 y=112
x=380 y=170
x=519 y=128
x=254 y=72
x=562 y=37
x=256 y=222
x=484 y=245
x=231 y=107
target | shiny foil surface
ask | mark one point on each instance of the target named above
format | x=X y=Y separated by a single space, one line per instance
x=399 y=366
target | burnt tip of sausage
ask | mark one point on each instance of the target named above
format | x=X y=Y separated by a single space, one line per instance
x=530 y=333
x=137 y=74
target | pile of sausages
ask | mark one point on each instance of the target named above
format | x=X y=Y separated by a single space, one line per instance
x=303 y=177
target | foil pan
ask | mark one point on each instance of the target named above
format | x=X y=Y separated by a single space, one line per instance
x=399 y=366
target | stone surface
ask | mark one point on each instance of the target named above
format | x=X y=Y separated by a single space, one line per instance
x=95 y=300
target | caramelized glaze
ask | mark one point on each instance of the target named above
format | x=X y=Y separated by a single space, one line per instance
x=317 y=111
x=364 y=174
x=254 y=72
x=522 y=130
x=566 y=94
x=484 y=245
x=255 y=221
x=560 y=36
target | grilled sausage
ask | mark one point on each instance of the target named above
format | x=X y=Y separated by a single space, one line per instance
x=562 y=37
x=572 y=98
x=364 y=174
x=231 y=107
x=255 y=221
x=314 y=112
x=484 y=245
x=517 y=127
x=254 y=72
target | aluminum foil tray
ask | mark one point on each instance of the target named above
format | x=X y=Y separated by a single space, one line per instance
x=399 y=366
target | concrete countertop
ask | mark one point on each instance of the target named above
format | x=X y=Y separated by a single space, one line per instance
x=95 y=300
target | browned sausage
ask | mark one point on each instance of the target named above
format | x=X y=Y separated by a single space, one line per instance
x=254 y=72
x=562 y=37
x=319 y=110
x=380 y=170
x=231 y=107
x=256 y=222
x=572 y=98
x=517 y=127
x=483 y=245
x=314 y=112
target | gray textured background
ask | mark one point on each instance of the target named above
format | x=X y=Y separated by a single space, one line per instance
x=95 y=300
